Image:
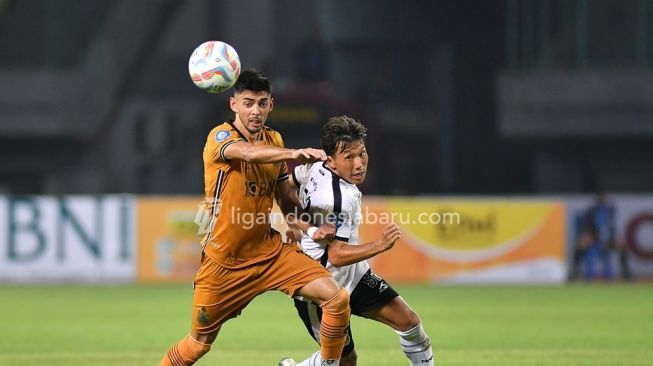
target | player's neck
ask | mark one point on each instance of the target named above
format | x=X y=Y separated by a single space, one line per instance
x=335 y=172
x=251 y=137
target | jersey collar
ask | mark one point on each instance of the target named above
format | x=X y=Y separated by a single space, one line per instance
x=336 y=174
x=231 y=123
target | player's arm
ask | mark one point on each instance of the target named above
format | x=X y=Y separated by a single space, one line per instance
x=342 y=254
x=286 y=196
x=253 y=153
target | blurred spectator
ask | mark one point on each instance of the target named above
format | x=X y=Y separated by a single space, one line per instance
x=596 y=239
x=312 y=59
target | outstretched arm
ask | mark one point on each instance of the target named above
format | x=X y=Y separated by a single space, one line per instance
x=253 y=153
x=342 y=254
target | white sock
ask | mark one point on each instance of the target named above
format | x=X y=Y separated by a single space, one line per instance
x=416 y=346
x=316 y=360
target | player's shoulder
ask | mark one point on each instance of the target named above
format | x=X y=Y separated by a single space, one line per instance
x=273 y=136
x=272 y=132
x=223 y=132
x=320 y=174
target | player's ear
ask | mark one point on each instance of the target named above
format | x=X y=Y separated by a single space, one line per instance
x=331 y=163
x=232 y=104
x=271 y=104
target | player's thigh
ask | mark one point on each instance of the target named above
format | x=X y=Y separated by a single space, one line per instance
x=396 y=313
x=320 y=290
x=375 y=299
x=220 y=294
x=296 y=274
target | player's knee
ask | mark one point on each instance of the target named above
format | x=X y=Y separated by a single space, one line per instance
x=349 y=359
x=409 y=321
x=337 y=304
x=196 y=349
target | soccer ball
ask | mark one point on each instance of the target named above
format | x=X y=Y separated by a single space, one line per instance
x=214 y=66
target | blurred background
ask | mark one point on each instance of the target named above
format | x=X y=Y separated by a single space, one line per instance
x=493 y=102
x=521 y=129
x=462 y=97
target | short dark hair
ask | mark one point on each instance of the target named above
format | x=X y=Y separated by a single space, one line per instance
x=339 y=132
x=252 y=80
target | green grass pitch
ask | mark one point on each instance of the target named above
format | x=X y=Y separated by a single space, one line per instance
x=495 y=325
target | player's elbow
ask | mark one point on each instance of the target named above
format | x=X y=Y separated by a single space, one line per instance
x=336 y=263
x=338 y=254
x=337 y=260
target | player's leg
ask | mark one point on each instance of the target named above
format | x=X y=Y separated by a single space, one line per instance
x=296 y=274
x=606 y=262
x=590 y=258
x=578 y=256
x=334 y=302
x=219 y=294
x=374 y=298
x=188 y=350
x=624 y=264
x=407 y=324
x=311 y=316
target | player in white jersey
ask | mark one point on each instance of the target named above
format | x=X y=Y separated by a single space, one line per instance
x=329 y=194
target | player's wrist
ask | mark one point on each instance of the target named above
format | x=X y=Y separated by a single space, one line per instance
x=311 y=231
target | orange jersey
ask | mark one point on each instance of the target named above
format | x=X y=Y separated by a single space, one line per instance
x=239 y=197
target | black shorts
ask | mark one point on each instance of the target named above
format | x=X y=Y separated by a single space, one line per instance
x=371 y=293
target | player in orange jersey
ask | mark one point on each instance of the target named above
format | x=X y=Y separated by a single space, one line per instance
x=244 y=169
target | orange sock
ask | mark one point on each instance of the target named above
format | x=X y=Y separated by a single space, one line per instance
x=333 y=329
x=185 y=352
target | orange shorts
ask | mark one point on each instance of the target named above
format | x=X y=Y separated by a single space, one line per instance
x=221 y=293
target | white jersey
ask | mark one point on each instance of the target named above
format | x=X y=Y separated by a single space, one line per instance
x=326 y=196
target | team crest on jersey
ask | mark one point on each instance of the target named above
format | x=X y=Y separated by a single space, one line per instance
x=203 y=317
x=222 y=135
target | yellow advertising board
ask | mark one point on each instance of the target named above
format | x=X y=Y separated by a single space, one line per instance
x=443 y=240
x=468 y=240
x=168 y=241
x=169 y=237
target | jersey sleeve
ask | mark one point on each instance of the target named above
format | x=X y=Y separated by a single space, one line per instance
x=300 y=174
x=218 y=140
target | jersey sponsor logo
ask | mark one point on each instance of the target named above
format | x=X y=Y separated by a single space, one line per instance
x=222 y=135
x=258 y=189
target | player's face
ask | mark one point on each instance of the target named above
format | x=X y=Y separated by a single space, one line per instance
x=350 y=163
x=252 y=109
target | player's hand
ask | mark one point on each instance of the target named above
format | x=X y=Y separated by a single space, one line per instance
x=309 y=155
x=294 y=235
x=325 y=232
x=391 y=233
